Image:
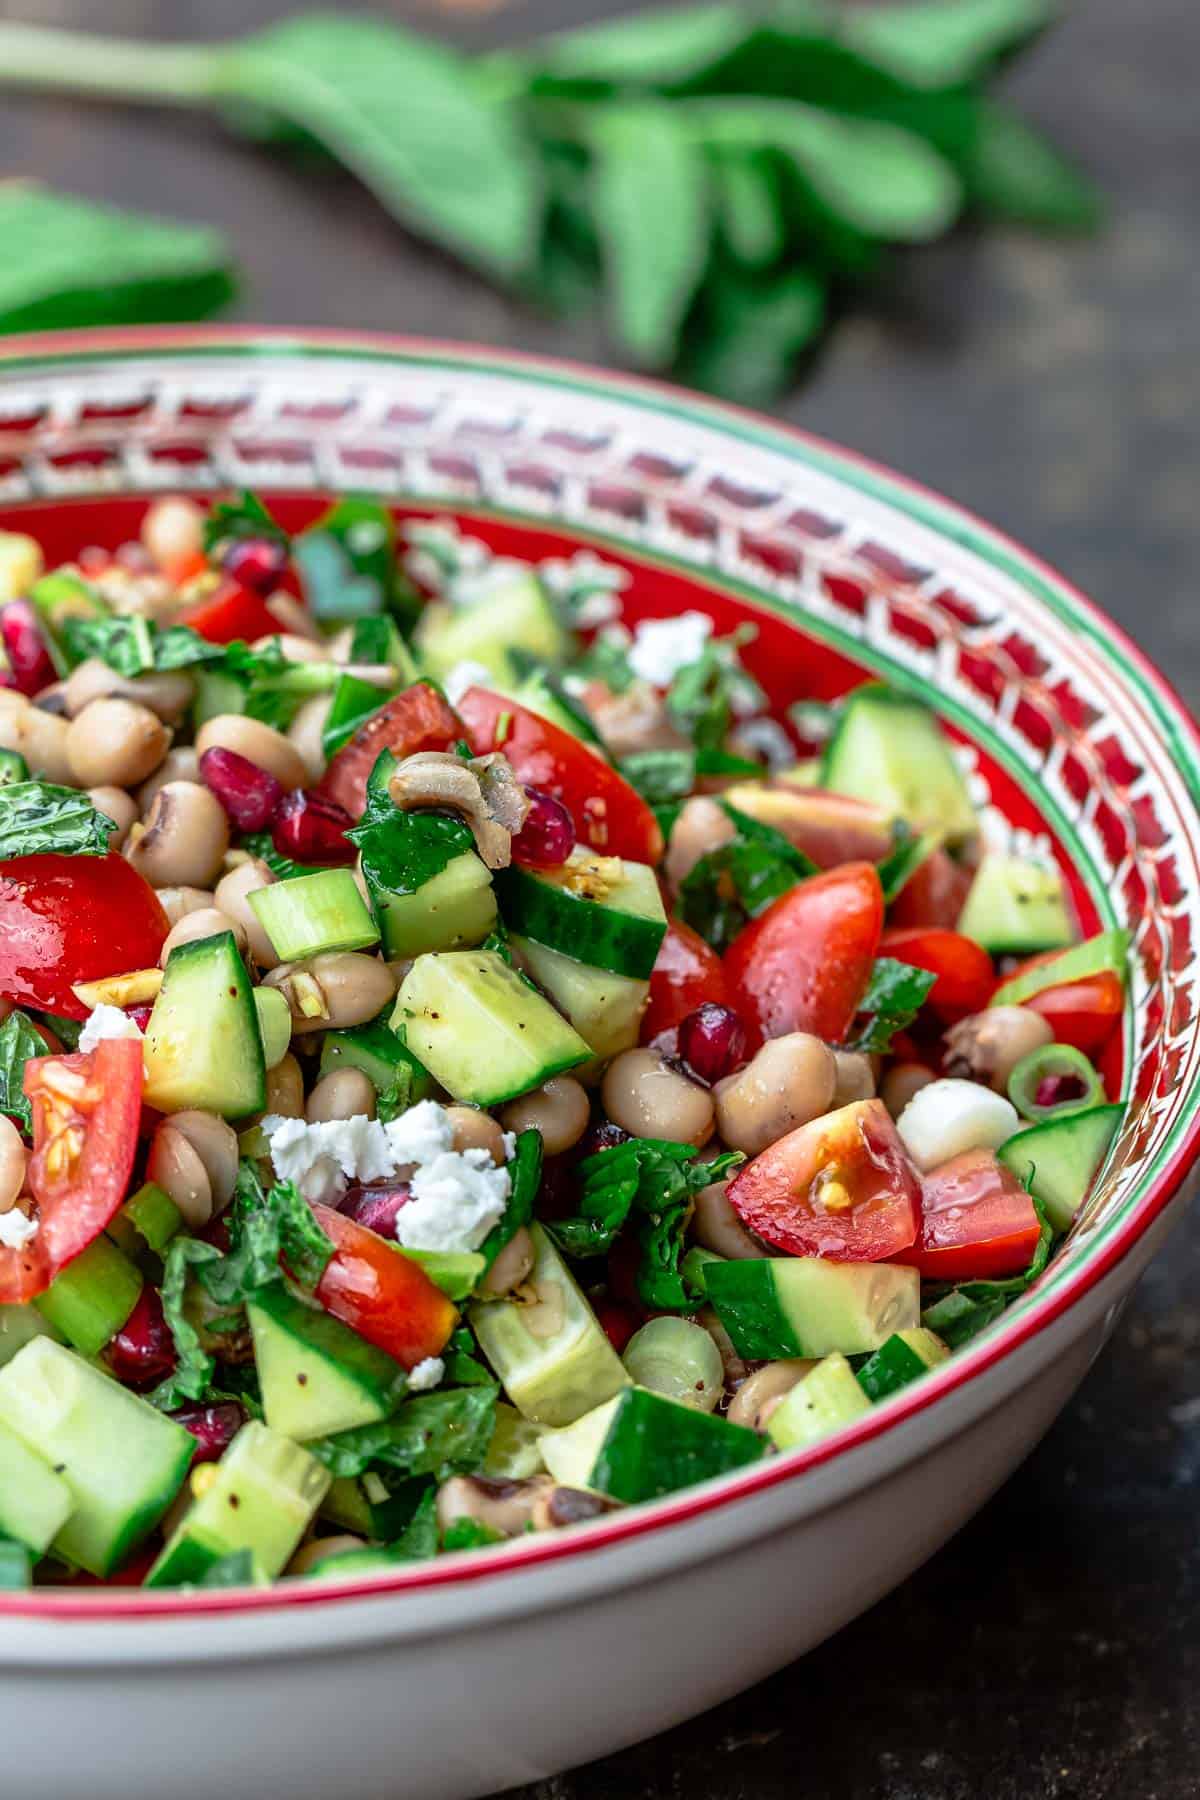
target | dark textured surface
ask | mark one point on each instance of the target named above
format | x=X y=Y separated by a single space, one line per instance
x=1052 y=1652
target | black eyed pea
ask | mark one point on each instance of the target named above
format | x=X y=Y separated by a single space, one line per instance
x=512 y=1265
x=988 y=1045
x=232 y=896
x=168 y=695
x=735 y=1368
x=855 y=1078
x=118 y=806
x=333 y=990
x=502 y=1505
x=177 y=902
x=39 y=736
x=215 y=1143
x=306 y=731
x=183 y=838
x=342 y=1094
x=476 y=1130
x=559 y=1109
x=316 y=1551
x=901 y=1082
x=177 y=765
x=760 y=1393
x=716 y=1226
x=285 y=1089
x=206 y=921
x=12 y=1164
x=115 y=742
x=646 y=1097
x=173 y=530
x=701 y=826
x=259 y=743
x=179 y=1170
x=785 y=1084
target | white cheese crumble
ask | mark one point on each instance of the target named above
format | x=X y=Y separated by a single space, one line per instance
x=456 y=1199
x=106 y=1022
x=321 y=1158
x=16 y=1231
x=949 y=1116
x=466 y=675
x=421 y=1133
x=427 y=1374
x=661 y=647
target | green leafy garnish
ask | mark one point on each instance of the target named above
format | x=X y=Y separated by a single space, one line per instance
x=702 y=695
x=37 y=818
x=440 y=1434
x=469 y=1534
x=18 y=1042
x=895 y=995
x=401 y=850
x=654 y=1180
x=663 y=777
x=245 y=516
x=260 y=846
x=135 y=646
x=195 y=1366
x=960 y=1313
x=525 y=1174
x=463 y=1367
x=738 y=880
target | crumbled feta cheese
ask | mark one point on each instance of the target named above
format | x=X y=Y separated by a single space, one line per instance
x=509 y=1141
x=949 y=1116
x=321 y=1158
x=661 y=647
x=466 y=675
x=106 y=1022
x=456 y=1199
x=427 y=1374
x=420 y=1134
x=16 y=1231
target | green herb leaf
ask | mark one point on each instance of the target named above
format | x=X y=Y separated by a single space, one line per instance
x=469 y=1534
x=658 y=49
x=134 y=646
x=525 y=1174
x=895 y=994
x=18 y=1042
x=37 y=818
x=259 y=845
x=440 y=1434
x=911 y=850
x=1015 y=173
x=661 y=776
x=70 y=262
x=229 y=521
x=960 y=1313
x=735 y=882
x=751 y=208
x=267 y=1228
x=332 y=586
x=463 y=1368
x=749 y=332
x=194 y=1366
x=941 y=43
x=402 y=853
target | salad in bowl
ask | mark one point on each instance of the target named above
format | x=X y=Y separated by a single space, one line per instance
x=470 y=1065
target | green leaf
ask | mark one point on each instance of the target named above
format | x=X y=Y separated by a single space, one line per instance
x=260 y=846
x=18 y=1042
x=896 y=991
x=133 y=646
x=267 y=1229
x=69 y=262
x=525 y=1175
x=194 y=1366
x=469 y=1534
x=402 y=852
x=661 y=776
x=942 y=43
x=739 y=879
x=911 y=850
x=651 y=49
x=37 y=818
x=650 y=196
x=412 y=121
x=751 y=332
x=243 y=517
x=960 y=1313
x=1015 y=173
x=440 y=1434
x=751 y=209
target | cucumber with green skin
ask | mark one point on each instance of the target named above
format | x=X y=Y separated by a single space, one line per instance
x=605 y=1009
x=1106 y=953
x=888 y=748
x=203 y=1047
x=596 y=910
x=824 y=1400
x=640 y=1446
x=905 y=1356
x=1061 y=1158
x=35 y=1503
x=515 y=614
x=1016 y=907
x=381 y=1055
x=774 y=1307
x=453 y=910
x=91 y=1298
x=314 y=913
x=316 y=1375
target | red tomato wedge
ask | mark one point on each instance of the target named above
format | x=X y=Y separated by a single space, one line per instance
x=803 y=964
x=686 y=974
x=1082 y=1013
x=418 y=719
x=65 y=919
x=977 y=1222
x=85 y=1128
x=608 y=814
x=382 y=1294
x=934 y=894
x=842 y=1187
x=231 y=613
x=965 y=978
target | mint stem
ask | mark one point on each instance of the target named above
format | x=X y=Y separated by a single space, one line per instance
x=76 y=62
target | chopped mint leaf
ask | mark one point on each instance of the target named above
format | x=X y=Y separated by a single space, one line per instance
x=18 y=1042
x=895 y=994
x=440 y=1434
x=37 y=818
x=136 y=646
x=243 y=517
x=732 y=884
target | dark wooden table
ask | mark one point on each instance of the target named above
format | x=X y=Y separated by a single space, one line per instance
x=1052 y=1652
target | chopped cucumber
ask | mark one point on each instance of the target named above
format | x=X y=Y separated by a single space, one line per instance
x=274 y=1024
x=314 y=913
x=317 y=1376
x=90 y=1299
x=453 y=910
x=1107 y=952
x=1016 y=907
x=888 y=748
x=822 y=1401
x=640 y=1446
x=381 y=1055
x=456 y=1272
x=596 y=909
x=515 y=1450
x=553 y=1357
x=263 y=1498
x=1060 y=1159
x=904 y=1356
x=217 y=693
x=123 y=1460
x=605 y=1009
x=515 y=615
x=35 y=1503
x=19 y=1325
x=775 y=1307
x=148 y=1220
x=203 y=1048
x=541 y=692
x=674 y=1357
x=480 y=1030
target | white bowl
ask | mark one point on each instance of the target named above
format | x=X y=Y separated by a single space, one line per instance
x=480 y=1671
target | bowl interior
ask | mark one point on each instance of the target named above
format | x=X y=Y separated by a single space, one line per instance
x=1077 y=748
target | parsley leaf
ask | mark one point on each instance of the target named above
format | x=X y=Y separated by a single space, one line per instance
x=738 y=880
x=895 y=994
x=194 y=1365
x=37 y=817
x=440 y=1434
x=18 y=1042
x=401 y=850
x=243 y=517
x=705 y=694
x=463 y=1368
x=525 y=1174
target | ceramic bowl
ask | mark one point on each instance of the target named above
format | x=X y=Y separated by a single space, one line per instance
x=477 y=1672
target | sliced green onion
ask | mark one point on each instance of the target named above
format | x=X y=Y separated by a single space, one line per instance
x=1054 y=1061
x=673 y=1357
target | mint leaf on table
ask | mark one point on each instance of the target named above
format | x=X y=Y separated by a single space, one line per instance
x=440 y=1434
x=940 y=43
x=752 y=330
x=1016 y=174
x=38 y=818
x=18 y=1042
x=895 y=994
x=72 y=262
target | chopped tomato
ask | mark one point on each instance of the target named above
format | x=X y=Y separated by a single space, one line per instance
x=1082 y=1013
x=65 y=919
x=828 y=828
x=85 y=1129
x=803 y=964
x=977 y=1222
x=965 y=978
x=420 y=718
x=608 y=814
x=231 y=613
x=842 y=1187
x=934 y=894
x=382 y=1294
x=686 y=974
x=618 y=1322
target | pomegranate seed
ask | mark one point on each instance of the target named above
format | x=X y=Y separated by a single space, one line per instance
x=601 y=1137
x=617 y=1321
x=311 y=829
x=711 y=1041
x=1058 y=1090
x=376 y=1207
x=143 y=1351
x=547 y=837
x=250 y=795
x=140 y=1014
x=213 y=1427
x=25 y=647
x=259 y=564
